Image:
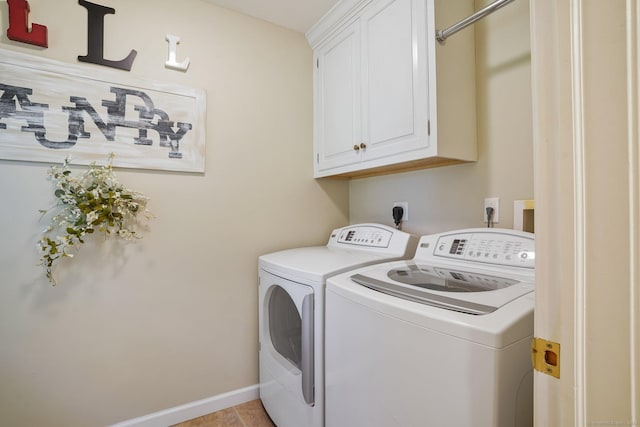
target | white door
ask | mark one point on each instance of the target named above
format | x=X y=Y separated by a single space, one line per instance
x=286 y=315
x=586 y=78
x=337 y=101
x=394 y=80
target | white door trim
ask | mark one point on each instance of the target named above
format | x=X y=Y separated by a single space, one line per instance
x=579 y=186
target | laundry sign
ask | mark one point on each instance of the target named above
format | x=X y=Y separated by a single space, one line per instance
x=50 y=111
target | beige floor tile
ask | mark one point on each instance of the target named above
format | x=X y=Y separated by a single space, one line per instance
x=225 y=418
x=253 y=414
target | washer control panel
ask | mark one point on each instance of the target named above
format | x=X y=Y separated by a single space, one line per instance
x=489 y=246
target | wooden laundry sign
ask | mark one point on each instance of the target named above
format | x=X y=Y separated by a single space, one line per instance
x=15 y=104
x=51 y=110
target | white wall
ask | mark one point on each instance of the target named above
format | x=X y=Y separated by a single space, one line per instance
x=452 y=197
x=133 y=329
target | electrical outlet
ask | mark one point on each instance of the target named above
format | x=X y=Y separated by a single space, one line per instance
x=492 y=202
x=405 y=209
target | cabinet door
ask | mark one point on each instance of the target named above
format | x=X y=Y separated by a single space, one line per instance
x=337 y=100
x=394 y=102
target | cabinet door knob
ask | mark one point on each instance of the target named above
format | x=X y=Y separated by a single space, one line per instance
x=356 y=147
x=363 y=145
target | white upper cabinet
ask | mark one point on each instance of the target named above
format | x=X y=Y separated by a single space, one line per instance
x=375 y=91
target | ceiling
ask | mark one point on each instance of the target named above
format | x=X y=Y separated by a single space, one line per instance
x=298 y=15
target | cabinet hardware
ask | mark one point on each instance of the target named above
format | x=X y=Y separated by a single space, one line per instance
x=363 y=145
x=356 y=147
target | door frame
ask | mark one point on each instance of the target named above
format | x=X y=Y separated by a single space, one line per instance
x=585 y=74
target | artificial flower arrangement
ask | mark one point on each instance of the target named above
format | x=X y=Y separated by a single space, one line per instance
x=93 y=201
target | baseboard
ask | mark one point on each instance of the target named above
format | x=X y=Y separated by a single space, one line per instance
x=195 y=409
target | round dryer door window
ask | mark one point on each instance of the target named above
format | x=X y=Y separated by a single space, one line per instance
x=290 y=319
x=285 y=326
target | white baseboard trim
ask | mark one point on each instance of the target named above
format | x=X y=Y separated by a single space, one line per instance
x=196 y=409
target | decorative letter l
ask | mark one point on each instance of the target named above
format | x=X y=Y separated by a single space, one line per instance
x=95 y=39
x=172 y=62
x=19 y=25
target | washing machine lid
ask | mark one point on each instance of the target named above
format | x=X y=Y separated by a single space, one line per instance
x=465 y=291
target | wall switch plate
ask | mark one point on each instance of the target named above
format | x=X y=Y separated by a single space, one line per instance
x=405 y=209
x=493 y=202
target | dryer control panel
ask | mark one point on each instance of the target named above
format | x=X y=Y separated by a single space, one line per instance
x=365 y=236
x=489 y=246
x=375 y=239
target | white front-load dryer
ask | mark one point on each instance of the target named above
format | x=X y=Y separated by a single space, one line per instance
x=291 y=315
x=442 y=340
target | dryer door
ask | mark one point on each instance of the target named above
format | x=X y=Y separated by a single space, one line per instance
x=287 y=329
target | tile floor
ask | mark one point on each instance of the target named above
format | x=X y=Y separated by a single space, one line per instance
x=250 y=414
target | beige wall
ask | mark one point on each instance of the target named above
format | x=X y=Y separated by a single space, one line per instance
x=133 y=329
x=452 y=197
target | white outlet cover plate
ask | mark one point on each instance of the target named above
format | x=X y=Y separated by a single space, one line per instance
x=493 y=202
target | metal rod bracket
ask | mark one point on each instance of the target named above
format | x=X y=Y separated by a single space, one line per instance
x=442 y=35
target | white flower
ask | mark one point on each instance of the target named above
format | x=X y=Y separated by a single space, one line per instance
x=92 y=216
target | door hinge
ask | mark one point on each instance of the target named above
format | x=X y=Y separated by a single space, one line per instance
x=545 y=356
x=317 y=63
x=428 y=127
x=318 y=158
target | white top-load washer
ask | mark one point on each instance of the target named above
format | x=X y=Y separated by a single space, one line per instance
x=291 y=315
x=441 y=340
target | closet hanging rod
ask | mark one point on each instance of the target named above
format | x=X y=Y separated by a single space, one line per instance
x=442 y=35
